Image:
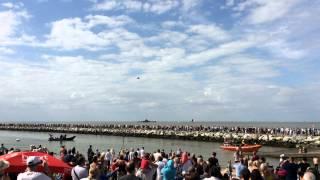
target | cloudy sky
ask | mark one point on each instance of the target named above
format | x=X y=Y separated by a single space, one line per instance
x=169 y=60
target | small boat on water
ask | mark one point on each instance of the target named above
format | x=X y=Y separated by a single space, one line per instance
x=244 y=148
x=61 y=138
x=147 y=121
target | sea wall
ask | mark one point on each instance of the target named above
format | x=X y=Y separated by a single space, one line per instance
x=171 y=132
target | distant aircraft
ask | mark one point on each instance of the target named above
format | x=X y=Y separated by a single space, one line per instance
x=138 y=77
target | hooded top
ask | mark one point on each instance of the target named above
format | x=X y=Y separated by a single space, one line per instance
x=169 y=171
x=184 y=158
x=144 y=164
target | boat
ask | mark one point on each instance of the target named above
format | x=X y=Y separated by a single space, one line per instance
x=61 y=138
x=244 y=148
x=147 y=121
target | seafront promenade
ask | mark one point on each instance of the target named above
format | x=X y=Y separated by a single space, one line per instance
x=281 y=137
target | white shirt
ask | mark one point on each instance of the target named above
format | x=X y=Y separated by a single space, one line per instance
x=108 y=156
x=138 y=153
x=131 y=153
x=160 y=166
x=80 y=171
x=156 y=155
x=31 y=175
x=141 y=153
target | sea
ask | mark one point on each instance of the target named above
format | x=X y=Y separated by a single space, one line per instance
x=103 y=142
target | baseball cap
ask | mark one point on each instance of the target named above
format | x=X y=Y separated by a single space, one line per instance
x=33 y=160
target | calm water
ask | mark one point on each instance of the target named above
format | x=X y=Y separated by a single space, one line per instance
x=103 y=142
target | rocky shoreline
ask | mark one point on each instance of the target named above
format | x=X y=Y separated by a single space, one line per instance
x=156 y=131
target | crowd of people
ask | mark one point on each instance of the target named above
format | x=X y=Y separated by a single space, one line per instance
x=139 y=164
x=182 y=165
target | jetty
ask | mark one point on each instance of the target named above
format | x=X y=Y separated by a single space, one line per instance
x=198 y=133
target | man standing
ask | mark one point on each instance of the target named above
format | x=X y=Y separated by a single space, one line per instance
x=142 y=152
x=292 y=169
x=90 y=154
x=159 y=168
x=3 y=150
x=239 y=166
x=157 y=154
x=108 y=158
x=79 y=171
x=130 y=173
x=31 y=174
x=213 y=160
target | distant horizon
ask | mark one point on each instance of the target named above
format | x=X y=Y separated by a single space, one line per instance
x=161 y=121
x=226 y=60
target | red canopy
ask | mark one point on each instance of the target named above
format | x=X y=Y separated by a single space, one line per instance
x=18 y=163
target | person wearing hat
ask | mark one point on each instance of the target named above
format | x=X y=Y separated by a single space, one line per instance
x=31 y=174
x=3 y=166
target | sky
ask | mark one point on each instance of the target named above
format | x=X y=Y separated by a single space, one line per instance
x=164 y=60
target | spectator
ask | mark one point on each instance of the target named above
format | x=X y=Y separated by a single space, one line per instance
x=30 y=174
x=292 y=169
x=245 y=174
x=309 y=176
x=239 y=166
x=169 y=171
x=3 y=166
x=256 y=175
x=79 y=171
x=130 y=173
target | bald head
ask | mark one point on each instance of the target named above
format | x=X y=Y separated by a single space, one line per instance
x=309 y=176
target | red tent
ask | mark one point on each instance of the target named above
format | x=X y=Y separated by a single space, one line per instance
x=18 y=163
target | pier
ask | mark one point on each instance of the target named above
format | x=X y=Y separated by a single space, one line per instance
x=198 y=133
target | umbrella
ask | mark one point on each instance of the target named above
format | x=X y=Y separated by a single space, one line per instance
x=18 y=163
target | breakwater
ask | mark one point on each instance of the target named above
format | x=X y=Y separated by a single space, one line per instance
x=280 y=137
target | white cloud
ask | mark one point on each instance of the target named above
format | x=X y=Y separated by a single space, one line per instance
x=229 y=2
x=184 y=65
x=11 y=5
x=187 y=5
x=4 y=50
x=95 y=20
x=158 y=7
x=210 y=31
x=172 y=24
x=222 y=50
x=163 y=6
x=270 y=10
x=169 y=38
x=281 y=48
x=75 y=33
x=133 y=5
x=105 y=5
x=9 y=23
x=263 y=11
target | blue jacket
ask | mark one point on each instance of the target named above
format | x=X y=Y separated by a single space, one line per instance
x=169 y=171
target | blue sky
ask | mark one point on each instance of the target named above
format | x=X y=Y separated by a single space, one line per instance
x=210 y=60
